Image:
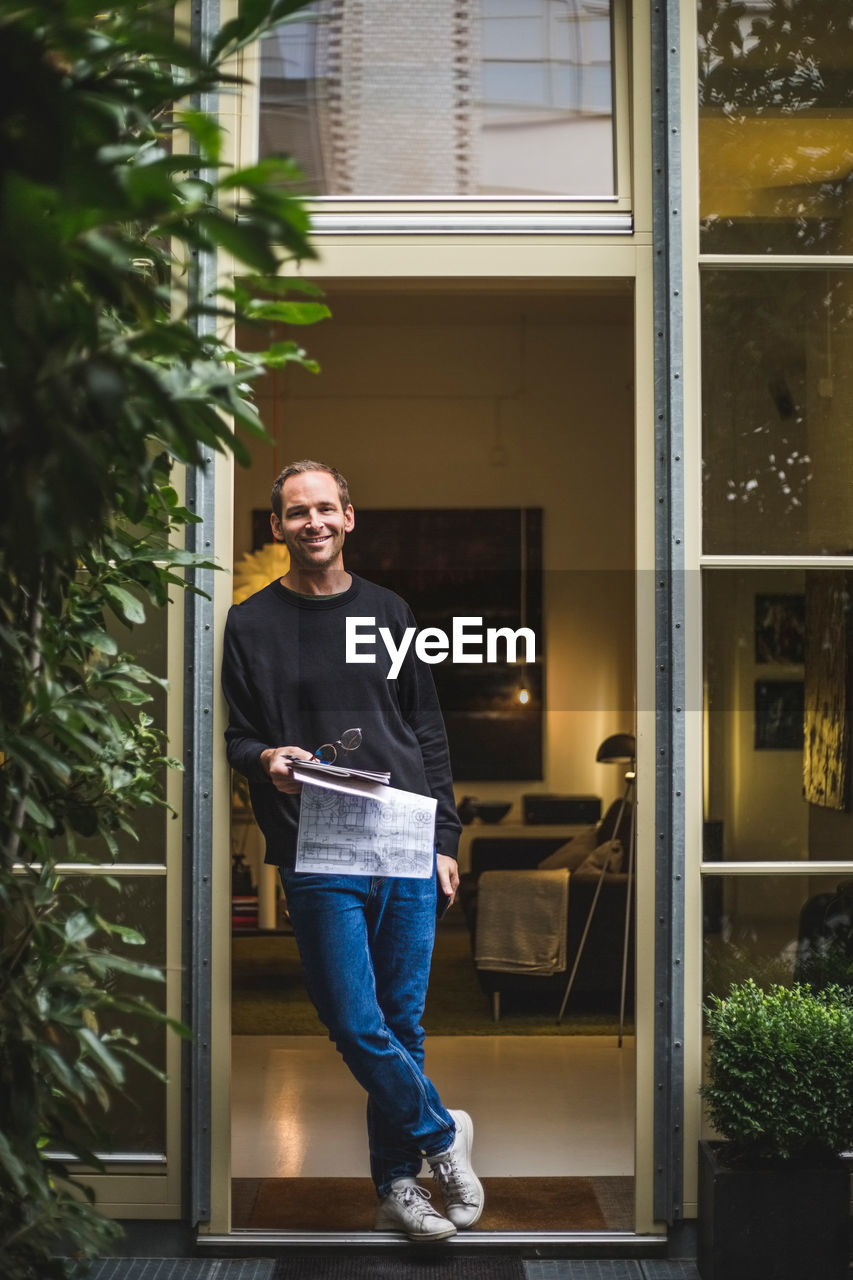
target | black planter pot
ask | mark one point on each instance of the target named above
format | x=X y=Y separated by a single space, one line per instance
x=787 y=1222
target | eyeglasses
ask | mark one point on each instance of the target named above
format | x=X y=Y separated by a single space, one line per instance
x=350 y=740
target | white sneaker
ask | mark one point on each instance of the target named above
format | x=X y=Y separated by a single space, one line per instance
x=407 y=1208
x=460 y=1186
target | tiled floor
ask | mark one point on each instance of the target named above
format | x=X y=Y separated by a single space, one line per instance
x=560 y=1105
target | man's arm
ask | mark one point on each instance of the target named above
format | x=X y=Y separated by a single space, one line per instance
x=244 y=738
x=420 y=707
x=426 y=720
x=247 y=750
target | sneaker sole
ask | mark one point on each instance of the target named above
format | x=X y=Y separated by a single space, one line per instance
x=433 y=1237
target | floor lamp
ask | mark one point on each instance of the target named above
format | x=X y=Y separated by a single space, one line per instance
x=619 y=748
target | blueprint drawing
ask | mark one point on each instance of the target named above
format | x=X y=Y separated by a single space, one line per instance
x=344 y=833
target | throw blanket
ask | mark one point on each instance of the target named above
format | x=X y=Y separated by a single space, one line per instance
x=522 y=920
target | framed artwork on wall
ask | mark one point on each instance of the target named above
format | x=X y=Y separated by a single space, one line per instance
x=779 y=715
x=780 y=629
x=827 y=689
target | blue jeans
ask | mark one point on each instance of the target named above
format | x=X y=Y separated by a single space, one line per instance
x=366 y=945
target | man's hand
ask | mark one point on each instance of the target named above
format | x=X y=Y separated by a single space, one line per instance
x=277 y=766
x=448 y=874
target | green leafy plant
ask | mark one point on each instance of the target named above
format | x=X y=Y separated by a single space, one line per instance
x=113 y=371
x=779 y=1084
x=62 y=996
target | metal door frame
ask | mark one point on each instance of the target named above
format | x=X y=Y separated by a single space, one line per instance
x=669 y=825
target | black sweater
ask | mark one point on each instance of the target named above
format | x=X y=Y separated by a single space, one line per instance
x=287 y=683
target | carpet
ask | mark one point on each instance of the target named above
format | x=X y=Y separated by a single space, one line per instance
x=349 y=1204
x=269 y=996
x=436 y=1264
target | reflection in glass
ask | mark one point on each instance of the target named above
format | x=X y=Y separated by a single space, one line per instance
x=147 y=643
x=775 y=146
x=136 y=1119
x=777 y=662
x=502 y=97
x=777 y=397
x=781 y=929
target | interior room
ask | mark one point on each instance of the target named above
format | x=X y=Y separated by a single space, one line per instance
x=473 y=425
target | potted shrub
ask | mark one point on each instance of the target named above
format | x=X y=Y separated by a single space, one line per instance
x=774 y=1192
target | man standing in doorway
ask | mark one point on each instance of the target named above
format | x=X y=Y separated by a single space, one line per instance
x=365 y=942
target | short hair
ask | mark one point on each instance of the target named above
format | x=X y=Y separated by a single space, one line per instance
x=297 y=469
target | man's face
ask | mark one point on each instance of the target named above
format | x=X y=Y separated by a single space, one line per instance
x=313 y=523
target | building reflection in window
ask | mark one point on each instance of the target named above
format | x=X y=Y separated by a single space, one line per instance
x=508 y=98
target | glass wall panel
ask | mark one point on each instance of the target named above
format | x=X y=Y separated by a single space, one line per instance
x=499 y=98
x=777 y=398
x=777 y=655
x=775 y=146
x=146 y=643
x=780 y=929
x=136 y=1119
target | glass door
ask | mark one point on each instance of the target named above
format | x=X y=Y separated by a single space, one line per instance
x=774 y=240
x=465 y=417
x=141 y=1150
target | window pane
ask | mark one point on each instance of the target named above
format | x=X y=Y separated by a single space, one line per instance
x=596 y=33
x=136 y=1119
x=781 y=929
x=514 y=100
x=511 y=8
x=777 y=658
x=777 y=395
x=775 y=147
x=147 y=643
x=512 y=38
x=515 y=83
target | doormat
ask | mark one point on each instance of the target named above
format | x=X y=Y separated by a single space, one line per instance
x=349 y=1204
x=433 y=1264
